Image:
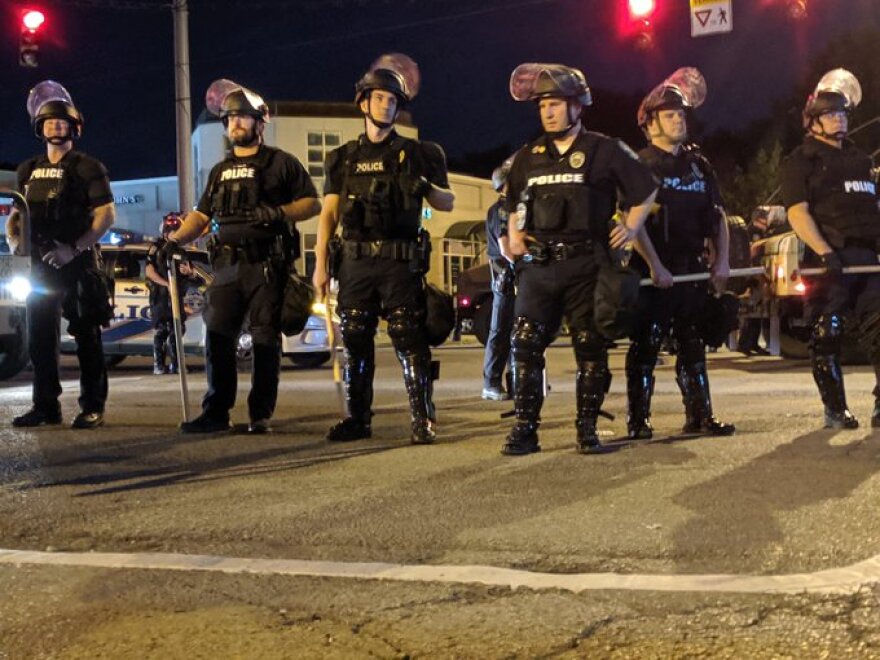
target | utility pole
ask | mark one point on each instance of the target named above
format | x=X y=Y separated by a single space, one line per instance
x=185 y=178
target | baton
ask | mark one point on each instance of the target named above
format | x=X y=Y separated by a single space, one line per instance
x=178 y=333
x=759 y=270
x=333 y=342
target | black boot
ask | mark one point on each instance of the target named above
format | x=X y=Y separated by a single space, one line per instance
x=358 y=377
x=829 y=379
x=159 y=353
x=527 y=382
x=417 y=377
x=639 y=388
x=593 y=379
x=693 y=381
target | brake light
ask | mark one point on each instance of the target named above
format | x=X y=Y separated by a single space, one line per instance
x=464 y=301
x=800 y=287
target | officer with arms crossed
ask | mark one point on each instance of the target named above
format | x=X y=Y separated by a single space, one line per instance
x=71 y=206
x=832 y=205
x=502 y=275
x=375 y=186
x=164 y=342
x=687 y=214
x=253 y=196
x=562 y=195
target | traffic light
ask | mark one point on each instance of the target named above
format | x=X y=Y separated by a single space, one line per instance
x=797 y=9
x=640 y=14
x=29 y=44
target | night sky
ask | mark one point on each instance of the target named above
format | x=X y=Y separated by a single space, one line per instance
x=116 y=56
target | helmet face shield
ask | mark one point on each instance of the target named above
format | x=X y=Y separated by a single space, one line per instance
x=225 y=97
x=393 y=72
x=534 y=80
x=685 y=88
x=49 y=100
x=837 y=91
x=500 y=174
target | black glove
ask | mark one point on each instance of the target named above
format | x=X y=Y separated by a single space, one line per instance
x=268 y=216
x=833 y=265
x=168 y=250
x=417 y=186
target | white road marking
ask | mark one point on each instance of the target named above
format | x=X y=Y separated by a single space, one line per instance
x=844 y=580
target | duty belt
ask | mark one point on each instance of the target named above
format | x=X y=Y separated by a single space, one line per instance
x=399 y=250
x=248 y=250
x=541 y=253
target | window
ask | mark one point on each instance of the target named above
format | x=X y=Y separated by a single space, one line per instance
x=319 y=144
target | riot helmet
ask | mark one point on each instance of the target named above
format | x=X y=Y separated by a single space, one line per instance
x=225 y=98
x=49 y=100
x=395 y=73
x=837 y=91
x=170 y=222
x=534 y=81
x=683 y=90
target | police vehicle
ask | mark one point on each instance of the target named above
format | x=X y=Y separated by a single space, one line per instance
x=14 y=289
x=124 y=256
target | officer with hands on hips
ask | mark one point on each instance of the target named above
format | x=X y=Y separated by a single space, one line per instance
x=688 y=213
x=497 y=352
x=71 y=207
x=375 y=187
x=562 y=194
x=832 y=204
x=253 y=198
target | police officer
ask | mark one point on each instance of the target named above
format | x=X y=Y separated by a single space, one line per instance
x=562 y=194
x=253 y=196
x=832 y=205
x=71 y=207
x=375 y=187
x=672 y=242
x=502 y=275
x=164 y=341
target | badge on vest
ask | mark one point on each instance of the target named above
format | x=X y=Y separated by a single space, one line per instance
x=577 y=159
x=539 y=149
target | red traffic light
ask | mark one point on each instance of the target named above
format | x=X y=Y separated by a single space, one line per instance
x=641 y=9
x=33 y=19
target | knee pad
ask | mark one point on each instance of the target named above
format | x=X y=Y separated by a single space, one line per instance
x=646 y=344
x=406 y=329
x=358 y=327
x=827 y=335
x=691 y=347
x=529 y=338
x=589 y=346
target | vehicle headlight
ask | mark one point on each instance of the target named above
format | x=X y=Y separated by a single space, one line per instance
x=319 y=308
x=19 y=287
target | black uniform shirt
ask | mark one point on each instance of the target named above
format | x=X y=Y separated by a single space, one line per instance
x=690 y=202
x=429 y=161
x=838 y=187
x=496 y=226
x=614 y=170
x=282 y=179
x=81 y=183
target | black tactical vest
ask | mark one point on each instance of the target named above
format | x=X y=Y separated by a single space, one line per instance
x=58 y=202
x=843 y=195
x=687 y=214
x=238 y=190
x=372 y=204
x=561 y=205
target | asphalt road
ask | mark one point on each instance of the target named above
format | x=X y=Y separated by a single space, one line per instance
x=766 y=544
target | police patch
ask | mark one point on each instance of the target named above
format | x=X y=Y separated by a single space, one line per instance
x=577 y=159
x=521 y=211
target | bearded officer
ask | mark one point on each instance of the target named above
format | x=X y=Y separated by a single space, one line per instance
x=562 y=194
x=832 y=205
x=71 y=207
x=688 y=213
x=497 y=351
x=253 y=197
x=375 y=187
